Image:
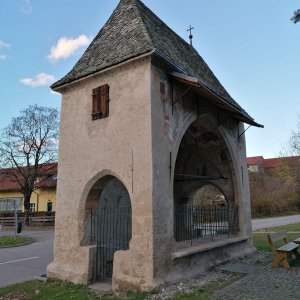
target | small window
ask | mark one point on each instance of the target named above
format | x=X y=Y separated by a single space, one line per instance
x=32 y=207
x=100 y=102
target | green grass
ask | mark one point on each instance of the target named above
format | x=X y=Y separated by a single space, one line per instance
x=51 y=289
x=13 y=241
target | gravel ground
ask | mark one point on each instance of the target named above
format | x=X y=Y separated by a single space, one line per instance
x=211 y=276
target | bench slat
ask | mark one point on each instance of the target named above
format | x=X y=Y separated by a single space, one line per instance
x=274 y=237
x=297 y=241
x=288 y=247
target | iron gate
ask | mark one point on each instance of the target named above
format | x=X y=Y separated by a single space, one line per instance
x=111 y=231
x=194 y=223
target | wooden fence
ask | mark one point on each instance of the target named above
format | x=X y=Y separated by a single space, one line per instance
x=33 y=221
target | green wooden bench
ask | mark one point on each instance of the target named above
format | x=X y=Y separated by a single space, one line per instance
x=281 y=253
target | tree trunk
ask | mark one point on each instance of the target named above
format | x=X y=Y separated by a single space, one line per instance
x=27 y=210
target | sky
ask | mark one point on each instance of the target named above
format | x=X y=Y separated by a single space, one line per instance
x=251 y=46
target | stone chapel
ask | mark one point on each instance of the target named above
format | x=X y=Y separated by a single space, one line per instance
x=152 y=177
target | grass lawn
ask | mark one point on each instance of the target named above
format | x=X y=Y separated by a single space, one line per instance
x=53 y=289
x=12 y=241
x=49 y=290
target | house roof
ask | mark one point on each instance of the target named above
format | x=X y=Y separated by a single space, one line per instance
x=9 y=182
x=255 y=160
x=272 y=162
x=275 y=162
x=133 y=30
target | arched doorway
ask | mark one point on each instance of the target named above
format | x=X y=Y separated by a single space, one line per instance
x=203 y=185
x=108 y=223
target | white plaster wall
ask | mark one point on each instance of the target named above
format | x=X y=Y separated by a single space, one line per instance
x=90 y=149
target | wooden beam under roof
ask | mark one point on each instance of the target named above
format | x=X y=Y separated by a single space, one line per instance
x=194 y=84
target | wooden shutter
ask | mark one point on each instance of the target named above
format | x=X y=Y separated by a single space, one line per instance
x=100 y=102
x=104 y=100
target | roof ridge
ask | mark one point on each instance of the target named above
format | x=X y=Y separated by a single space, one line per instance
x=138 y=15
x=193 y=51
x=165 y=24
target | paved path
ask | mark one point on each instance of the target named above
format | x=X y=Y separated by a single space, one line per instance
x=19 y=264
x=270 y=222
x=263 y=284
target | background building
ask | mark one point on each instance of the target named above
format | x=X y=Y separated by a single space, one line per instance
x=42 y=199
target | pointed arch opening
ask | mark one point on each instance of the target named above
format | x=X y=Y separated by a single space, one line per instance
x=203 y=188
x=108 y=223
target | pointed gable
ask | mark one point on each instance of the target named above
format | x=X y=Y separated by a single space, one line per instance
x=133 y=30
x=122 y=37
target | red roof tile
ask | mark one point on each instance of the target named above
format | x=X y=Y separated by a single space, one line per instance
x=10 y=183
x=255 y=160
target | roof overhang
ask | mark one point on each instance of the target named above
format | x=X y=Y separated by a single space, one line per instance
x=216 y=100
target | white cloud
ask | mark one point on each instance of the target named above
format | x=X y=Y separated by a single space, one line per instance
x=65 y=47
x=3 y=44
x=3 y=57
x=40 y=79
x=26 y=7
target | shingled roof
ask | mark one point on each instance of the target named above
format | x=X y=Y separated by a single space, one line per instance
x=133 y=30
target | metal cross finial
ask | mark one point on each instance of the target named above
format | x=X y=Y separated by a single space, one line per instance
x=191 y=36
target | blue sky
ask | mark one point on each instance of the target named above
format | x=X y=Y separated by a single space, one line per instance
x=251 y=46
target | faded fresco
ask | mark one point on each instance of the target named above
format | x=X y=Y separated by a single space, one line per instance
x=175 y=117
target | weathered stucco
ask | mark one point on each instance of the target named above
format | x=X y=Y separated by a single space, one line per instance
x=90 y=150
x=139 y=144
x=167 y=133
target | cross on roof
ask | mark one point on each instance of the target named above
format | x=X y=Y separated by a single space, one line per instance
x=191 y=36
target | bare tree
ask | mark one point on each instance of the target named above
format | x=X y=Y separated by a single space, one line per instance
x=294 y=141
x=292 y=148
x=27 y=144
x=296 y=16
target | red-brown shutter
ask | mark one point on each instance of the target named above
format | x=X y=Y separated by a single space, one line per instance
x=96 y=97
x=104 y=100
x=100 y=103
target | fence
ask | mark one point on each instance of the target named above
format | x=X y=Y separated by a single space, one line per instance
x=33 y=221
x=210 y=222
x=110 y=229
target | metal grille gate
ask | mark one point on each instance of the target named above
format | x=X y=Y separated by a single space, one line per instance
x=194 y=223
x=112 y=232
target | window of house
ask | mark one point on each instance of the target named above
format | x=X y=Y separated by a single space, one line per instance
x=10 y=204
x=100 y=105
x=32 y=207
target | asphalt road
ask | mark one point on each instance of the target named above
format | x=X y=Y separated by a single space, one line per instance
x=270 y=222
x=19 y=264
